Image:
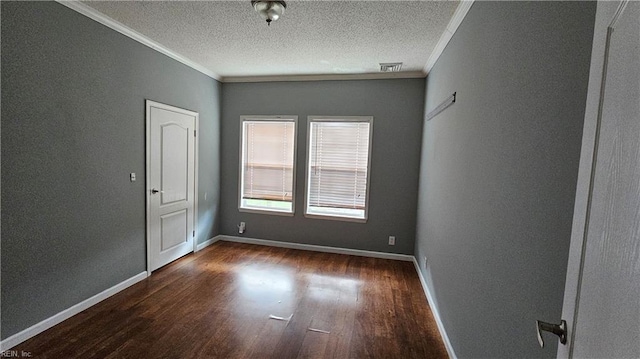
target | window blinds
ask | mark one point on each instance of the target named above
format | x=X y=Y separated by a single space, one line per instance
x=268 y=160
x=338 y=164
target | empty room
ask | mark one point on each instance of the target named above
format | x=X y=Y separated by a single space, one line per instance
x=320 y=179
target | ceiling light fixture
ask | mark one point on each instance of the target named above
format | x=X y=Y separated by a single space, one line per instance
x=269 y=10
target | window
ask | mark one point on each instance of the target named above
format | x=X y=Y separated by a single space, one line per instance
x=267 y=167
x=338 y=162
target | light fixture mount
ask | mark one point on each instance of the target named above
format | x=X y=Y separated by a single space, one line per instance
x=269 y=10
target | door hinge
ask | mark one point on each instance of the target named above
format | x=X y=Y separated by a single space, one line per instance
x=194 y=133
x=194 y=234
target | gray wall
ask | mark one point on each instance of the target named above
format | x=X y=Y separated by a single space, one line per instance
x=397 y=107
x=73 y=127
x=498 y=173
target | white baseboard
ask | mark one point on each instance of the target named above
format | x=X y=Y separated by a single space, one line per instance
x=38 y=328
x=434 y=310
x=68 y=313
x=207 y=243
x=316 y=248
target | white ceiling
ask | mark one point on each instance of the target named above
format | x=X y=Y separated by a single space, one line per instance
x=230 y=40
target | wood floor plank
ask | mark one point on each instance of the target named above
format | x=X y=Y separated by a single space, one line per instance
x=216 y=304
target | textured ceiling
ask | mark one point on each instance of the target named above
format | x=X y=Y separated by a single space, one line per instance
x=311 y=38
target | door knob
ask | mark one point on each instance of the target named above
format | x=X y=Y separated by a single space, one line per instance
x=558 y=329
x=154 y=191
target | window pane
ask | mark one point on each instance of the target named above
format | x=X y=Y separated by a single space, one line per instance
x=267 y=165
x=338 y=163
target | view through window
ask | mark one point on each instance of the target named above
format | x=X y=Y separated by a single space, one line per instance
x=268 y=163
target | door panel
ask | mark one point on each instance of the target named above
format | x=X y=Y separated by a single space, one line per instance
x=608 y=320
x=602 y=302
x=171 y=183
x=173 y=229
x=175 y=159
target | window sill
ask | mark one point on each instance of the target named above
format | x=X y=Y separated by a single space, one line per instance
x=265 y=211
x=335 y=218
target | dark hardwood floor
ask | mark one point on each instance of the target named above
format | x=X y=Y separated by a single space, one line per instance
x=217 y=303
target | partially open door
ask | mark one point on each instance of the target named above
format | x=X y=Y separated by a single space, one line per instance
x=602 y=293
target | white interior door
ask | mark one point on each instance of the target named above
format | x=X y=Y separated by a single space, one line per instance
x=602 y=294
x=171 y=174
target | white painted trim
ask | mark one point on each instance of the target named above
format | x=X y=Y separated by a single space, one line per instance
x=196 y=193
x=147 y=184
x=316 y=248
x=434 y=310
x=446 y=36
x=123 y=29
x=452 y=27
x=327 y=77
x=68 y=313
x=207 y=243
x=38 y=328
x=97 y=16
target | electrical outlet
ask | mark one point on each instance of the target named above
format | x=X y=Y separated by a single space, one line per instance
x=242 y=227
x=425 y=261
x=392 y=240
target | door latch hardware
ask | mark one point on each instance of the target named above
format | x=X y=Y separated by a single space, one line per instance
x=558 y=329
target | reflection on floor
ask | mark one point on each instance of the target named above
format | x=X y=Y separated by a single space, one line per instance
x=235 y=300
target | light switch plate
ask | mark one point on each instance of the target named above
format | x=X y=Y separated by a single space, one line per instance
x=132 y=176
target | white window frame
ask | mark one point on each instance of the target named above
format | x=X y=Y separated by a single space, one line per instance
x=311 y=119
x=278 y=118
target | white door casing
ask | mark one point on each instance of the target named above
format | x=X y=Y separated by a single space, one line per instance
x=602 y=290
x=171 y=183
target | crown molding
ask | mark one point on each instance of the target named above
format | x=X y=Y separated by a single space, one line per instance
x=452 y=27
x=454 y=23
x=328 y=77
x=121 y=28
